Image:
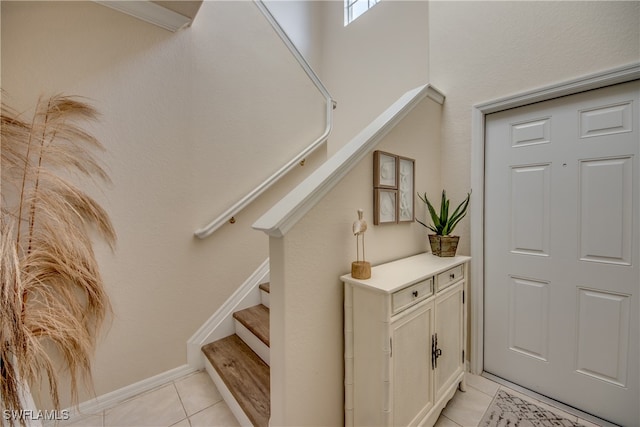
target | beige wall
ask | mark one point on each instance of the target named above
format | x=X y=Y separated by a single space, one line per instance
x=302 y=21
x=366 y=65
x=190 y=120
x=480 y=51
x=307 y=369
x=371 y=62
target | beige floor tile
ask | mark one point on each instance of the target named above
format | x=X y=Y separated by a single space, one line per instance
x=197 y=392
x=483 y=384
x=183 y=423
x=214 y=416
x=467 y=408
x=161 y=407
x=445 y=422
x=84 y=421
x=587 y=423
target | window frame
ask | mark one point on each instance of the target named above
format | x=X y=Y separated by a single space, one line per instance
x=349 y=8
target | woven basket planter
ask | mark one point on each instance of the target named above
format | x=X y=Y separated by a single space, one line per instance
x=444 y=246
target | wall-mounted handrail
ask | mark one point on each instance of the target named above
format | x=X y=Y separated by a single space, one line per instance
x=229 y=214
x=281 y=218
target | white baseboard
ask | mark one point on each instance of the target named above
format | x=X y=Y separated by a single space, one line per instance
x=115 y=397
x=221 y=324
x=218 y=326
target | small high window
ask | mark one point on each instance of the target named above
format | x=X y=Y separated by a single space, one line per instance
x=355 y=8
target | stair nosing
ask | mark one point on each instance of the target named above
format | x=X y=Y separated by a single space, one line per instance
x=259 y=316
x=266 y=286
x=242 y=355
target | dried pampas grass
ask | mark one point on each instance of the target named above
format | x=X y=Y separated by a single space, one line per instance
x=51 y=292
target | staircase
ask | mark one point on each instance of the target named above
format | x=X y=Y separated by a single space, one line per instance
x=239 y=364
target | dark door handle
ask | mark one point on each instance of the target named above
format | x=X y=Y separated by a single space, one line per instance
x=435 y=351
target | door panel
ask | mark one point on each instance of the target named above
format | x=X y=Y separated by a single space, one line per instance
x=562 y=244
x=529 y=317
x=606 y=120
x=531 y=132
x=449 y=322
x=603 y=323
x=411 y=338
x=530 y=209
x=606 y=182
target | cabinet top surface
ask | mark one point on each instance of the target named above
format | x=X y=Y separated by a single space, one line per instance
x=395 y=275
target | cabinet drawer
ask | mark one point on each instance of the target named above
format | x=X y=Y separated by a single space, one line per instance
x=411 y=294
x=449 y=277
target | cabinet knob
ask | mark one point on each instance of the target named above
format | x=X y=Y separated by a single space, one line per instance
x=452 y=276
x=415 y=294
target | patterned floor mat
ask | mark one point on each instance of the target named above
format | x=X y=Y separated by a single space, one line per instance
x=512 y=411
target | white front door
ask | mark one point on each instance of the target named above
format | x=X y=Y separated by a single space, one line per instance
x=562 y=250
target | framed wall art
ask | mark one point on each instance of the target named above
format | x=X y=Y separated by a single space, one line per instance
x=393 y=184
x=385 y=170
x=406 y=189
x=385 y=206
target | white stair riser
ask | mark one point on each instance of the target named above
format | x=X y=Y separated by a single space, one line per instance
x=231 y=402
x=221 y=324
x=253 y=342
x=264 y=297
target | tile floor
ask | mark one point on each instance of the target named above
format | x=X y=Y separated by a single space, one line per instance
x=194 y=401
x=191 y=401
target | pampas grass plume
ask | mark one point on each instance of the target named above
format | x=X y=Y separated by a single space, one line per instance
x=51 y=293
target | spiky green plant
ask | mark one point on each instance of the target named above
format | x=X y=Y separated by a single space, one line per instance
x=52 y=297
x=443 y=224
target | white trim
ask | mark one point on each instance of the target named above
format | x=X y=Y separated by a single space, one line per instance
x=288 y=211
x=613 y=76
x=115 y=397
x=221 y=324
x=476 y=223
x=27 y=402
x=265 y=298
x=616 y=75
x=231 y=401
x=209 y=332
x=348 y=10
x=254 y=343
x=150 y=12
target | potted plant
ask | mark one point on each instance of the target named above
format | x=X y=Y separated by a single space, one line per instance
x=442 y=242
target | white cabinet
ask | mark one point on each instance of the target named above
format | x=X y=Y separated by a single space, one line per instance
x=405 y=338
x=412 y=386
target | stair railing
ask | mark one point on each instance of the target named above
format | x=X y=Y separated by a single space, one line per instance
x=229 y=214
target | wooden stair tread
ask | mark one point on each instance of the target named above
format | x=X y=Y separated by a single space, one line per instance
x=255 y=319
x=265 y=287
x=245 y=375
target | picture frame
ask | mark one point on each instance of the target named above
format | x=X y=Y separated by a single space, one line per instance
x=385 y=206
x=406 y=189
x=394 y=187
x=385 y=170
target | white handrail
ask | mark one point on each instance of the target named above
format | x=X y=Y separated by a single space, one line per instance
x=278 y=220
x=230 y=213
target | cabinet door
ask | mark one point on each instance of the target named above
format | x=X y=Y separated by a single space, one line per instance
x=412 y=377
x=449 y=330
